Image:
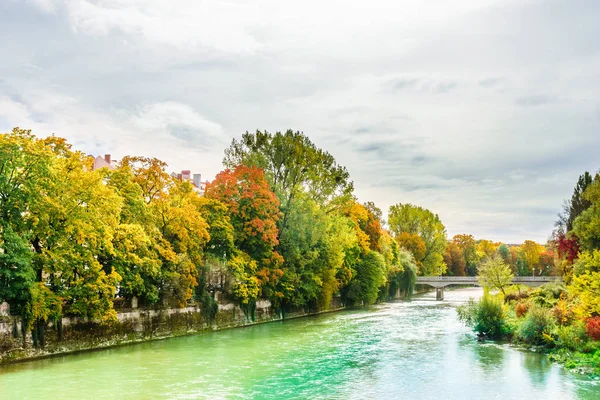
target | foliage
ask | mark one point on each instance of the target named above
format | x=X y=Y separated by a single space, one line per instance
x=494 y=273
x=549 y=294
x=253 y=209
x=587 y=225
x=571 y=337
x=43 y=305
x=455 y=260
x=592 y=328
x=16 y=271
x=428 y=226
x=536 y=326
x=468 y=247
x=369 y=277
x=521 y=309
x=408 y=277
x=486 y=317
x=292 y=165
x=586 y=287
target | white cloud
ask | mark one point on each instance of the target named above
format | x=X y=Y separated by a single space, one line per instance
x=151 y=130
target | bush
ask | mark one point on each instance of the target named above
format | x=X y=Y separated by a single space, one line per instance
x=549 y=294
x=537 y=326
x=514 y=293
x=486 y=317
x=562 y=313
x=571 y=337
x=521 y=309
x=592 y=328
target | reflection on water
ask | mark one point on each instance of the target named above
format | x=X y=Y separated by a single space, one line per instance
x=415 y=350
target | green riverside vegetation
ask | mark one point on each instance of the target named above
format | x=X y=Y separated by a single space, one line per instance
x=560 y=318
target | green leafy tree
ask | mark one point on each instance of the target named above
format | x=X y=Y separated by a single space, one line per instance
x=369 y=277
x=587 y=225
x=495 y=273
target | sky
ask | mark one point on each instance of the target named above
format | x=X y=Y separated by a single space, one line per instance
x=483 y=111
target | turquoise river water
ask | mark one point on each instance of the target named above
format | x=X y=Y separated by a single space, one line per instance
x=401 y=350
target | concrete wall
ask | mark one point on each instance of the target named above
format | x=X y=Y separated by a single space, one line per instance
x=133 y=326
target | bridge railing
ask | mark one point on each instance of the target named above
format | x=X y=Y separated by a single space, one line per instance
x=474 y=278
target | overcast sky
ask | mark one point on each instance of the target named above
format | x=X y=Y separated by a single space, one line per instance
x=484 y=111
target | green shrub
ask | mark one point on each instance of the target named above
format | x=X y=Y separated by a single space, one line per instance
x=549 y=294
x=486 y=317
x=571 y=337
x=537 y=326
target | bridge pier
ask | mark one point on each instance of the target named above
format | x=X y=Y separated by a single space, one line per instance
x=439 y=293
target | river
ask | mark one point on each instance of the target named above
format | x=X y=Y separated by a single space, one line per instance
x=411 y=350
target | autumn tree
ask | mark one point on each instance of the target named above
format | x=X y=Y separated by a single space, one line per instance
x=530 y=252
x=428 y=226
x=254 y=212
x=304 y=178
x=486 y=248
x=468 y=246
x=455 y=260
x=292 y=164
x=415 y=244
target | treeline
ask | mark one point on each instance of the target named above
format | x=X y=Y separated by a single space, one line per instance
x=464 y=255
x=280 y=222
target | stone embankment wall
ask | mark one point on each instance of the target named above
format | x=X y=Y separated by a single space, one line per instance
x=133 y=326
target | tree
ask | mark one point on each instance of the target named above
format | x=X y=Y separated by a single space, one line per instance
x=455 y=260
x=373 y=227
x=422 y=222
x=71 y=224
x=485 y=248
x=16 y=271
x=364 y=286
x=494 y=273
x=311 y=188
x=292 y=164
x=360 y=217
x=408 y=276
x=253 y=209
x=587 y=225
x=25 y=164
x=531 y=252
x=253 y=212
x=504 y=252
x=413 y=243
x=578 y=203
x=469 y=249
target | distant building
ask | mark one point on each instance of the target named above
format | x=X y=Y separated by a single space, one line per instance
x=104 y=162
x=195 y=179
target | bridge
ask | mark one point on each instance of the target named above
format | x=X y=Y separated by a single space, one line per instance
x=440 y=282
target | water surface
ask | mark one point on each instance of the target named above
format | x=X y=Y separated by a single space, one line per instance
x=415 y=350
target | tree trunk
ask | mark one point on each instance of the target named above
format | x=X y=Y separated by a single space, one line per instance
x=15 y=331
x=24 y=331
x=41 y=333
x=59 y=329
x=34 y=335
